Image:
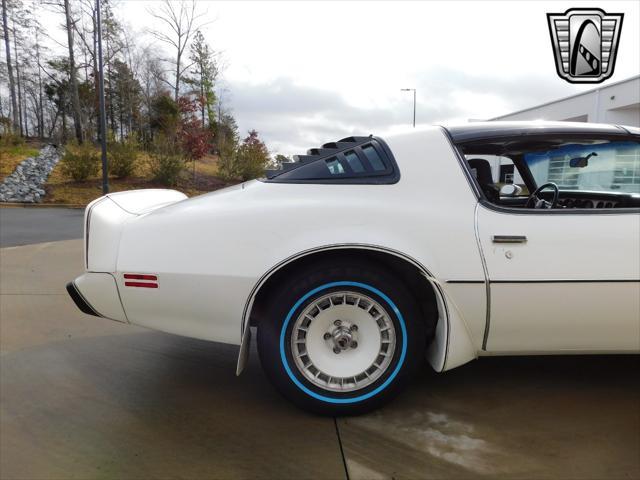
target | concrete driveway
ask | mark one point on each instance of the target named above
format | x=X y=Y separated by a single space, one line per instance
x=83 y=397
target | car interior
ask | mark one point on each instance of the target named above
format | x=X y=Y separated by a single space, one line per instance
x=556 y=173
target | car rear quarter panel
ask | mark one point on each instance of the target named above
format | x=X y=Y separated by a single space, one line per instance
x=210 y=251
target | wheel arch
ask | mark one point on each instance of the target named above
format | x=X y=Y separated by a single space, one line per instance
x=422 y=283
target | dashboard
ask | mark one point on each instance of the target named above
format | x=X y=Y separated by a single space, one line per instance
x=586 y=203
x=582 y=199
x=597 y=200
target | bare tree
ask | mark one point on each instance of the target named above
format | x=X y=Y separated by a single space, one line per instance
x=32 y=77
x=73 y=74
x=113 y=46
x=152 y=80
x=19 y=20
x=182 y=21
x=12 y=84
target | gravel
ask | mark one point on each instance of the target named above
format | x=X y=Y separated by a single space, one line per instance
x=26 y=183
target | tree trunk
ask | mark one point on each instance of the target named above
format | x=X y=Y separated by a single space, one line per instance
x=177 y=89
x=12 y=85
x=75 y=97
x=40 y=99
x=109 y=99
x=112 y=115
x=121 y=113
x=15 y=52
x=203 y=100
x=64 y=126
x=34 y=111
x=53 y=123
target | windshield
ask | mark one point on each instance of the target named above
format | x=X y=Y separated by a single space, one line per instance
x=602 y=166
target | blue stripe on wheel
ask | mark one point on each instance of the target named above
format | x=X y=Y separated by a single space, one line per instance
x=365 y=396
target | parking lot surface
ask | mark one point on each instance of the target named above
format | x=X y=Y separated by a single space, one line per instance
x=84 y=397
x=23 y=225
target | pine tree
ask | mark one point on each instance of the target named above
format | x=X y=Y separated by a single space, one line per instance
x=204 y=74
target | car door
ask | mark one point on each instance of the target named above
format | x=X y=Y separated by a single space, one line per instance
x=562 y=282
x=567 y=279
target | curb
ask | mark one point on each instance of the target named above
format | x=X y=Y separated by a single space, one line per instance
x=40 y=205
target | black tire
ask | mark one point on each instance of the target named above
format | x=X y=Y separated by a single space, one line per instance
x=298 y=291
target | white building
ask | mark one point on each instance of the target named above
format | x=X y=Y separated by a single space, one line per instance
x=617 y=103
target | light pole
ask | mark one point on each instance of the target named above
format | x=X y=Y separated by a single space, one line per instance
x=103 y=116
x=414 y=102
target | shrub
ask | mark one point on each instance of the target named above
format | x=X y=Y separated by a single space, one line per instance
x=165 y=115
x=80 y=162
x=123 y=158
x=252 y=157
x=227 y=167
x=244 y=162
x=166 y=162
x=11 y=140
x=195 y=139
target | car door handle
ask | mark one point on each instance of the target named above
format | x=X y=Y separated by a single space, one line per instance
x=509 y=239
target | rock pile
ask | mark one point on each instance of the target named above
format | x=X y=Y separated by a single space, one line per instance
x=26 y=183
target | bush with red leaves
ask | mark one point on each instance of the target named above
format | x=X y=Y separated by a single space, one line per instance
x=193 y=137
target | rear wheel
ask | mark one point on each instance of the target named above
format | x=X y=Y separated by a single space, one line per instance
x=341 y=338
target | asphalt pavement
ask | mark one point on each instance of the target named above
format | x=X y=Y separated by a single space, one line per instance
x=84 y=397
x=25 y=225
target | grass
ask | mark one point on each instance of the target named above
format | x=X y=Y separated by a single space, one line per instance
x=63 y=190
x=12 y=155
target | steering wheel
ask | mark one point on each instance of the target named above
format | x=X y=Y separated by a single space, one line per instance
x=534 y=201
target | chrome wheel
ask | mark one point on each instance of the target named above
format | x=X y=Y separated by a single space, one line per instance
x=343 y=341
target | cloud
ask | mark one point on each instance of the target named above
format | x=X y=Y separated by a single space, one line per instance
x=511 y=91
x=292 y=117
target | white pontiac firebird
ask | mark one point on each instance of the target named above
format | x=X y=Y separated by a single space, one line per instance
x=365 y=256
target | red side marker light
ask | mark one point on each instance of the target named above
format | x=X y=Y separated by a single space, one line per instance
x=139 y=276
x=143 y=280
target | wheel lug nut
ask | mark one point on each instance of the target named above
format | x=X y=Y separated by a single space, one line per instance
x=327 y=336
x=354 y=328
x=336 y=350
x=354 y=344
x=337 y=323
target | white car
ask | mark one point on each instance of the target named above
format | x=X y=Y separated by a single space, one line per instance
x=366 y=256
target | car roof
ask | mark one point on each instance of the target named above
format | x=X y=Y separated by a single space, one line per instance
x=480 y=130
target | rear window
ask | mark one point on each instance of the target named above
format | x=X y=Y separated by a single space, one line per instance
x=374 y=159
x=350 y=160
x=354 y=162
x=334 y=166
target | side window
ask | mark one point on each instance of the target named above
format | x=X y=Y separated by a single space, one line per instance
x=566 y=172
x=602 y=168
x=492 y=172
x=508 y=174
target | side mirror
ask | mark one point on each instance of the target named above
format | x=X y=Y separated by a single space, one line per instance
x=510 y=190
x=581 y=162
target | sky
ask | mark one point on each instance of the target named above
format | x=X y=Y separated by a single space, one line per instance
x=307 y=72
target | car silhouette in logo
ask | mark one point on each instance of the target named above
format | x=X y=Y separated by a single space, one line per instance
x=585 y=43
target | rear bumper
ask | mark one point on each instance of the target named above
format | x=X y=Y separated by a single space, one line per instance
x=79 y=300
x=97 y=294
